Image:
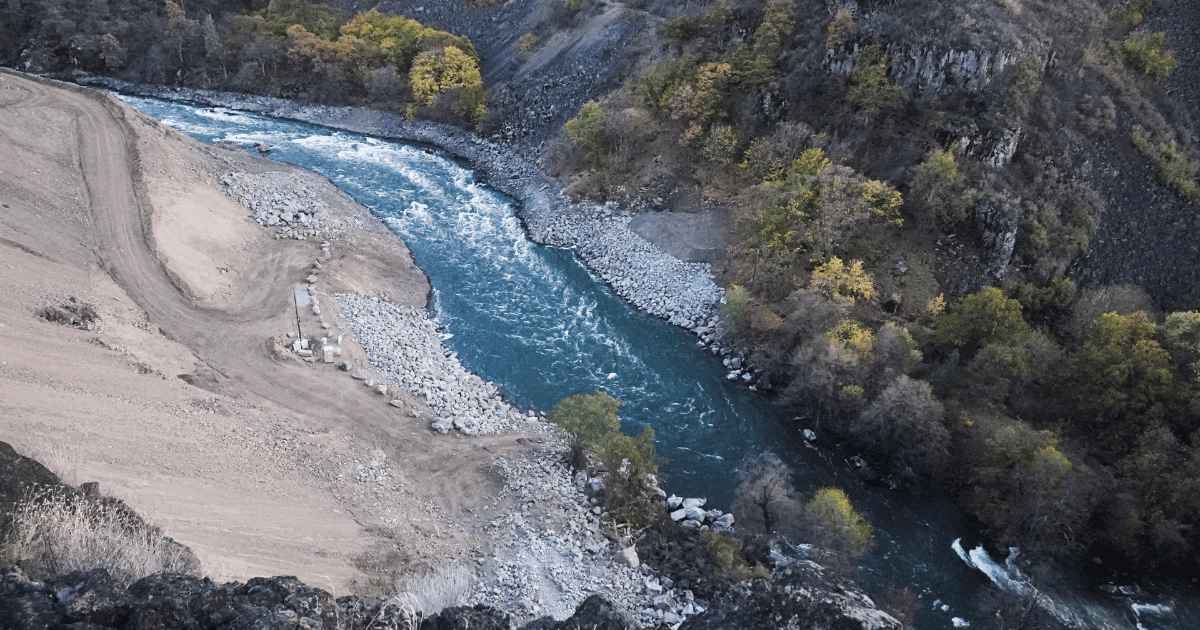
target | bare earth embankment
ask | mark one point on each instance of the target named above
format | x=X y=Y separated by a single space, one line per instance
x=179 y=399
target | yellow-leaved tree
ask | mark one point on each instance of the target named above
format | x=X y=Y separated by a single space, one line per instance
x=447 y=70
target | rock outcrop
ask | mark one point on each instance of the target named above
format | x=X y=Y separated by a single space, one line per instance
x=93 y=599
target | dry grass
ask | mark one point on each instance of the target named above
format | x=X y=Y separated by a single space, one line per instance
x=55 y=532
x=431 y=592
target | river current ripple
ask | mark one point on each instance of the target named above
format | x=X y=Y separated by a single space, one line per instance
x=533 y=320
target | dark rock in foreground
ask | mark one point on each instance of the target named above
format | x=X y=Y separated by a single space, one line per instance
x=172 y=601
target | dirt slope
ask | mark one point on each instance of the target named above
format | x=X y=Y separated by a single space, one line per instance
x=277 y=466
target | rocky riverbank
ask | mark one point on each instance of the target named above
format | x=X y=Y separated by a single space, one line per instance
x=403 y=346
x=647 y=277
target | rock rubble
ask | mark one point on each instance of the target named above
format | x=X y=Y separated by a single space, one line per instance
x=550 y=552
x=403 y=345
x=282 y=200
x=654 y=281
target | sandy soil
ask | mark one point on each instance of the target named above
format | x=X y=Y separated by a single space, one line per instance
x=179 y=399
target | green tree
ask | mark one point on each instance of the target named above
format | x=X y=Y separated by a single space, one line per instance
x=979 y=319
x=630 y=462
x=938 y=190
x=1154 y=517
x=586 y=129
x=1180 y=336
x=868 y=85
x=1143 y=53
x=1121 y=381
x=1028 y=493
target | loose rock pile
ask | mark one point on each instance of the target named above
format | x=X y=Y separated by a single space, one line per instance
x=688 y=513
x=651 y=279
x=549 y=552
x=402 y=343
x=279 y=199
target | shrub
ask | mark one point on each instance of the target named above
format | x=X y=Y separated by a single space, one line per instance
x=527 y=42
x=1130 y=14
x=53 y=532
x=657 y=85
x=767 y=157
x=433 y=591
x=979 y=319
x=1175 y=169
x=868 y=85
x=1025 y=76
x=1142 y=52
x=737 y=299
x=726 y=554
x=682 y=29
x=587 y=128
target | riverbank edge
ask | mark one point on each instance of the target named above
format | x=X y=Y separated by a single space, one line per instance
x=684 y=294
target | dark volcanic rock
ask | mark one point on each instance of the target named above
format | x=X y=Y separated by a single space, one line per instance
x=468 y=618
x=798 y=600
x=94 y=599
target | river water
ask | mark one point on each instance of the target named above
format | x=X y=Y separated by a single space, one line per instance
x=534 y=321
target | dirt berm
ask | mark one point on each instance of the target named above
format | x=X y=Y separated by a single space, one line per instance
x=164 y=379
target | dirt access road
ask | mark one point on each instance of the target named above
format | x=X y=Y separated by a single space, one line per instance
x=260 y=462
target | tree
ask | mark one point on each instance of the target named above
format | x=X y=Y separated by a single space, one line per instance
x=979 y=319
x=896 y=351
x=834 y=527
x=1154 y=519
x=630 y=462
x=1180 y=336
x=868 y=85
x=905 y=423
x=450 y=68
x=841 y=282
x=939 y=190
x=587 y=128
x=1122 y=381
x=1028 y=493
x=765 y=500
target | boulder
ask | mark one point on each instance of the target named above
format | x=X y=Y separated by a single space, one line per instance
x=673 y=502
x=687 y=503
x=694 y=513
x=628 y=557
x=679 y=515
x=810 y=435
